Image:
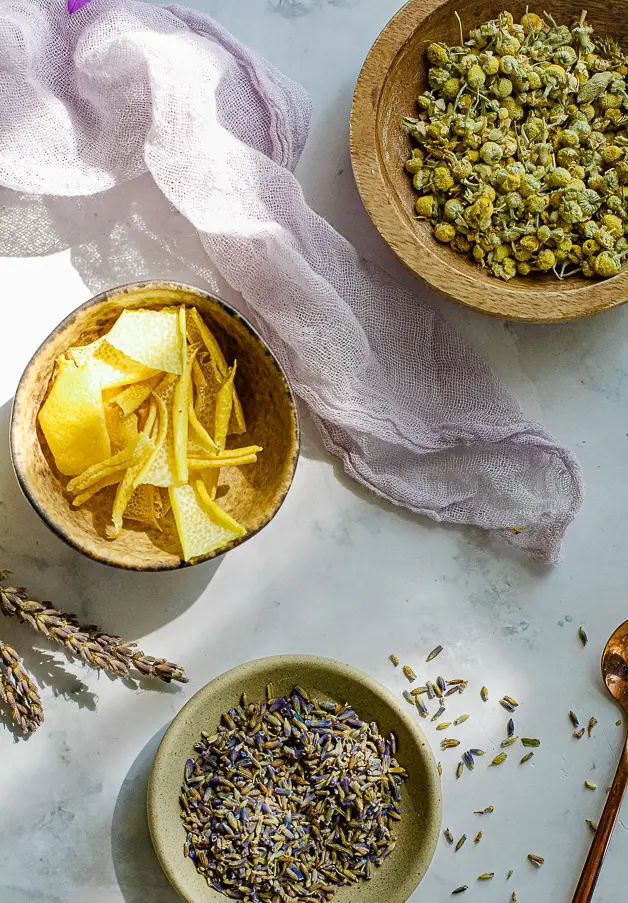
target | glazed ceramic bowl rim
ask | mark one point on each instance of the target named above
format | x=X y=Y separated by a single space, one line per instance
x=171 y=860
x=18 y=454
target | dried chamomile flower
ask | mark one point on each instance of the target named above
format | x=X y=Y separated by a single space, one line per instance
x=438 y=54
x=612 y=224
x=445 y=232
x=415 y=163
x=607 y=264
x=442 y=179
x=520 y=147
x=545 y=260
x=425 y=206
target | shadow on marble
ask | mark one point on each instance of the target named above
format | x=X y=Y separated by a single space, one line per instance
x=126 y=234
x=120 y=602
x=312 y=447
x=51 y=671
x=132 y=232
x=47 y=662
x=48 y=672
x=475 y=540
x=138 y=872
x=589 y=354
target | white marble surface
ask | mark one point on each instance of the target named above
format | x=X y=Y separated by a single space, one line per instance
x=337 y=573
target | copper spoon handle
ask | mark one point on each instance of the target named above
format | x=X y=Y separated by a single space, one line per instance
x=593 y=865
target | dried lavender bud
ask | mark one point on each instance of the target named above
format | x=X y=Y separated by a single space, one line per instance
x=297 y=765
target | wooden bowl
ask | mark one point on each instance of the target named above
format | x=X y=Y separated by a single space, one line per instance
x=417 y=832
x=253 y=494
x=394 y=73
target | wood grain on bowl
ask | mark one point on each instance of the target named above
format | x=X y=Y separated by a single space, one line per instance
x=416 y=834
x=252 y=495
x=394 y=73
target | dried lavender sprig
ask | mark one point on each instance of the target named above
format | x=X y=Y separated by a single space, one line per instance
x=98 y=650
x=131 y=657
x=19 y=691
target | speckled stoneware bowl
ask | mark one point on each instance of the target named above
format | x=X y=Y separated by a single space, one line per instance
x=417 y=832
x=252 y=495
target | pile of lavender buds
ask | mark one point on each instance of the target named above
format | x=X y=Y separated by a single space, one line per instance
x=290 y=800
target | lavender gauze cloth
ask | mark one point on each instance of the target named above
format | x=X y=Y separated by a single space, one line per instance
x=91 y=100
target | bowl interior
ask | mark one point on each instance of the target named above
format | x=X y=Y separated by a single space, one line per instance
x=250 y=494
x=416 y=833
x=394 y=74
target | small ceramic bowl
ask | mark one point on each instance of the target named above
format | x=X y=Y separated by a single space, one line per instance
x=394 y=73
x=417 y=832
x=253 y=494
